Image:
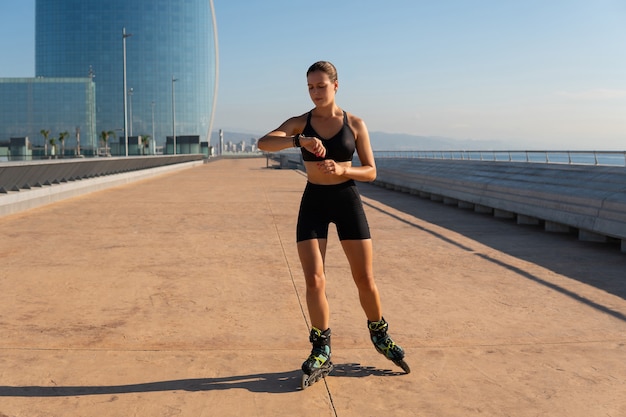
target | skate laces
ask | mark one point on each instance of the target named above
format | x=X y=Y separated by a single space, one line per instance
x=388 y=347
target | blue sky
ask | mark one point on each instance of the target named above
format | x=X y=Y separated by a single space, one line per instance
x=534 y=73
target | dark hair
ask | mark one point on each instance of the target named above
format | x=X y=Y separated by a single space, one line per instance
x=325 y=67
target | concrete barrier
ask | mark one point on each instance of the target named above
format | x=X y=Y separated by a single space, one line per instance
x=33 y=184
x=15 y=176
x=591 y=199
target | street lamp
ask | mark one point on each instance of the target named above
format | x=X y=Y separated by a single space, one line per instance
x=124 y=36
x=153 y=137
x=174 y=113
x=130 y=110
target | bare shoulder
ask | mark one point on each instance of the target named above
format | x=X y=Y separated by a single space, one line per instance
x=300 y=119
x=294 y=124
x=357 y=125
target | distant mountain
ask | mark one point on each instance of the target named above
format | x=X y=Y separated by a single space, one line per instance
x=382 y=141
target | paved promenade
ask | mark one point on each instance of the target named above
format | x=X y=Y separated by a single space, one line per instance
x=182 y=295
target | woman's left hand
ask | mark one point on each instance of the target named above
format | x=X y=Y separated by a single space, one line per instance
x=330 y=167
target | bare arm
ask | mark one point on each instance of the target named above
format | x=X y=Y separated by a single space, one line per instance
x=283 y=138
x=280 y=138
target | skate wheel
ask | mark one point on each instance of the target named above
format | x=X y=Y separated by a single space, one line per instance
x=304 y=382
x=402 y=364
x=308 y=380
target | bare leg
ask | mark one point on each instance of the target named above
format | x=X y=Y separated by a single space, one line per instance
x=312 y=253
x=359 y=254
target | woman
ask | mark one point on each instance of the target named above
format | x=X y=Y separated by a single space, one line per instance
x=328 y=137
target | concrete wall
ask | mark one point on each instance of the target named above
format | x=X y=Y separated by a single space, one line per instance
x=15 y=176
x=28 y=185
x=591 y=199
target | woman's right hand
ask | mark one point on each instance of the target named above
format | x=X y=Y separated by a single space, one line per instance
x=313 y=145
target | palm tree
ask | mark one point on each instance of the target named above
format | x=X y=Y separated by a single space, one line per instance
x=53 y=146
x=62 y=137
x=110 y=133
x=145 y=140
x=104 y=136
x=45 y=134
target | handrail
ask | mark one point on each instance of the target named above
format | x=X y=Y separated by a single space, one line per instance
x=610 y=158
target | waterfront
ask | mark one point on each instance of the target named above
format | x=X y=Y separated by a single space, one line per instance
x=610 y=158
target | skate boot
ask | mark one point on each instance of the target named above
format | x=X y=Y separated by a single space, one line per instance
x=318 y=364
x=385 y=345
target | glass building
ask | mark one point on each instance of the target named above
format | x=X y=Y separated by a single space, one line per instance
x=30 y=105
x=171 y=61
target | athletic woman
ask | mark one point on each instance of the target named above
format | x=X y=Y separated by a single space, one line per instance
x=328 y=137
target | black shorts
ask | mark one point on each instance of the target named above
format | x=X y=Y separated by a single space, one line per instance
x=324 y=204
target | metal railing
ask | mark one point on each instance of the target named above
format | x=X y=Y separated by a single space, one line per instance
x=610 y=158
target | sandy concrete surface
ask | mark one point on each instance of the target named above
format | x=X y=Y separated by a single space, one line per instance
x=182 y=295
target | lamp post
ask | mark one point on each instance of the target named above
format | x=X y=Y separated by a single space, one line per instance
x=91 y=128
x=153 y=137
x=124 y=36
x=174 y=113
x=130 y=111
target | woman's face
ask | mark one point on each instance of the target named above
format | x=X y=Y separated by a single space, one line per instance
x=321 y=89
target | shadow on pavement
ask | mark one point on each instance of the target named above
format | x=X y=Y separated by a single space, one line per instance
x=272 y=383
x=597 y=264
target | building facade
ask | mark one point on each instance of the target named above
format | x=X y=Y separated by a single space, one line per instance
x=56 y=105
x=171 y=61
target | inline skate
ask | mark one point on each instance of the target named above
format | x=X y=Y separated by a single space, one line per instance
x=385 y=345
x=318 y=364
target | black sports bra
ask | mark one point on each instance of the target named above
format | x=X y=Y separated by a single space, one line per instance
x=339 y=148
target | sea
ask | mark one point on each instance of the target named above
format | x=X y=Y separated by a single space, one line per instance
x=608 y=158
